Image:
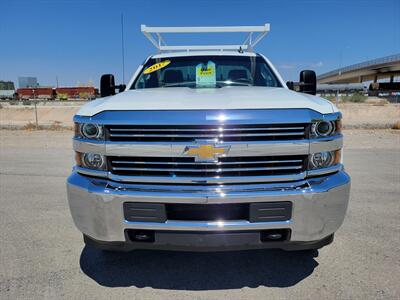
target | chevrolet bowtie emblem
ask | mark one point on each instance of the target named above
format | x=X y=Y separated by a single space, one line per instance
x=206 y=152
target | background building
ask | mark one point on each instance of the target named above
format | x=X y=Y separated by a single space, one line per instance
x=6 y=85
x=27 y=82
x=7 y=89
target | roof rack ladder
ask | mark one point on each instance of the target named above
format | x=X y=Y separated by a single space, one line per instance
x=153 y=34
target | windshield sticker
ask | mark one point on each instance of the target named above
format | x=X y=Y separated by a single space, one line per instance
x=157 y=66
x=205 y=74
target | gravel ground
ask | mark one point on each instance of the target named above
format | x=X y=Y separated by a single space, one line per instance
x=42 y=254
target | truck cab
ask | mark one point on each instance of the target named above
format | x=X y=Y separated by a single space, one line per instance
x=208 y=149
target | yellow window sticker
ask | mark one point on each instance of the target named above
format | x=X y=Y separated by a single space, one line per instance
x=157 y=66
x=205 y=74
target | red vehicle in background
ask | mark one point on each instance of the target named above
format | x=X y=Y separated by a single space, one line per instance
x=61 y=93
x=45 y=93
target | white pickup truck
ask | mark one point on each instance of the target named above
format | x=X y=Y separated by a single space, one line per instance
x=208 y=149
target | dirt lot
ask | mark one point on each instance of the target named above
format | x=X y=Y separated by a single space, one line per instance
x=42 y=254
x=356 y=115
x=18 y=116
x=359 y=115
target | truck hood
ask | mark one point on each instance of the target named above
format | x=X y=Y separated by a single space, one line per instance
x=182 y=98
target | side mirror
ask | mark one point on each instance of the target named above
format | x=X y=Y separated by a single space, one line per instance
x=107 y=85
x=121 y=88
x=290 y=85
x=308 y=82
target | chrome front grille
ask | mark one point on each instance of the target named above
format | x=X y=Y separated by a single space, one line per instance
x=226 y=133
x=175 y=167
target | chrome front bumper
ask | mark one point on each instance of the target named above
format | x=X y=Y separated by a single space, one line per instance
x=319 y=206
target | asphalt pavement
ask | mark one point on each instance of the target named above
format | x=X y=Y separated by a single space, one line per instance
x=42 y=255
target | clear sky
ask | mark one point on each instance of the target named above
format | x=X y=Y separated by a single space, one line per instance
x=79 y=40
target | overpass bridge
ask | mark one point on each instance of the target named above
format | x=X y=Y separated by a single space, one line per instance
x=371 y=70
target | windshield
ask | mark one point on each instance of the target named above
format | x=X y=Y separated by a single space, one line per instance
x=206 y=72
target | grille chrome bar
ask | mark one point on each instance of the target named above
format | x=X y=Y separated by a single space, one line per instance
x=207 y=179
x=219 y=129
x=183 y=167
x=208 y=170
x=208 y=163
x=208 y=135
x=190 y=133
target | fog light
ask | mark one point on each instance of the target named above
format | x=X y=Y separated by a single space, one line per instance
x=93 y=161
x=321 y=160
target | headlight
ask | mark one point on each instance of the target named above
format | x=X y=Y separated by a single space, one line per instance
x=323 y=128
x=91 y=161
x=89 y=131
x=324 y=159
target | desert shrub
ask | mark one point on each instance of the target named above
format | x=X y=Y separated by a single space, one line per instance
x=84 y=95
x=356 y=98
x=55 y=126
x=62 y=97
x=29 y=126
x=331 y=98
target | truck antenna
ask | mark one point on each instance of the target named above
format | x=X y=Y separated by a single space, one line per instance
x=123 y=48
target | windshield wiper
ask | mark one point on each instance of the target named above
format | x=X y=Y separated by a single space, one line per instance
x=177 y=84
x=218 y=83
x=228 y=82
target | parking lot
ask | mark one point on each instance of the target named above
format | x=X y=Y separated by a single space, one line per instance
x=42 y=254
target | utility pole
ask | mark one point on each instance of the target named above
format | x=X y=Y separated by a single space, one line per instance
x=36 y=117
